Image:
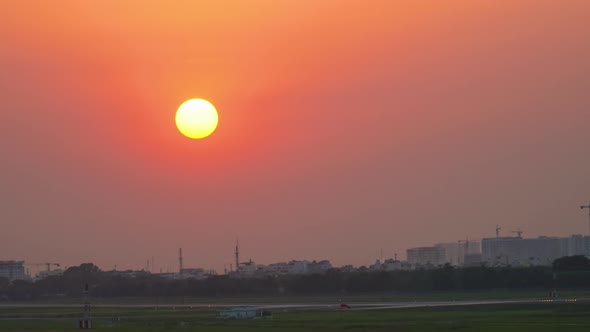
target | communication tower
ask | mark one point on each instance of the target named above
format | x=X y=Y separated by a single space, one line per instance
x=237 y=254
x=180 y=267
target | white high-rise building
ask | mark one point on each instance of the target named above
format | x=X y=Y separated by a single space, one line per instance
x=424 y=256
x=543 y=250
x=455 y=252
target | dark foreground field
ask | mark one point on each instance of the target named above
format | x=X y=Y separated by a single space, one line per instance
x=513 y=317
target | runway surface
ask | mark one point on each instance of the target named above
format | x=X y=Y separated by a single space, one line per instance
x=300 y=306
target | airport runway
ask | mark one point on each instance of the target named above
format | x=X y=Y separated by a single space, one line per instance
x=299 y=306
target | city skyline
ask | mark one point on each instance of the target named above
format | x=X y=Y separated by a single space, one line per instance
x=379 y=255
x=344 y=128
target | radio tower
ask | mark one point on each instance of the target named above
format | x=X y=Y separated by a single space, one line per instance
x=180 y=268
x=237 y=253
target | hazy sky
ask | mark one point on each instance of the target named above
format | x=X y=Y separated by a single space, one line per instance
x=345 y=127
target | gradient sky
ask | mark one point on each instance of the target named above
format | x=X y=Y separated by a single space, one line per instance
x=345 y=127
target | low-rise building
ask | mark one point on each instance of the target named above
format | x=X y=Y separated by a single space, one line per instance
x=319 y=267
x=392 y=265
x=194 y=273
x=277 y=268
x=298 y=267
x=51 y=273
x=248 y=268
x=387 y=265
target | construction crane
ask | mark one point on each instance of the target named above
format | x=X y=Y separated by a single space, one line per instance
x=498 y=228
x=518 y=232
x=466 y=243
x=48 y=265
x=587 y=207
x=465 y=248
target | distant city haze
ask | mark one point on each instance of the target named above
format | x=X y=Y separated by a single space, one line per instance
x=345 y=128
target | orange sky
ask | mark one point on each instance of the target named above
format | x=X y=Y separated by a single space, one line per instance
x=345 y=127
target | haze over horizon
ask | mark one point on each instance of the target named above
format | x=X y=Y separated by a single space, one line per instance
x=344 y=128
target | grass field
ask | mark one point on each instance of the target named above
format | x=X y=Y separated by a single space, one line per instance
x=514 y=317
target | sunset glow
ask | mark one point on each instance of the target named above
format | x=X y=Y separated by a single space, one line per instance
x=326 y=130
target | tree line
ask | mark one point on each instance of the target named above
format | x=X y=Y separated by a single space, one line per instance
x=567 y=272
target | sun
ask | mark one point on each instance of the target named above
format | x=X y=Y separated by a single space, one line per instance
x=196 y=118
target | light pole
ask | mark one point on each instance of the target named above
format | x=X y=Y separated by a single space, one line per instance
x=587 y=207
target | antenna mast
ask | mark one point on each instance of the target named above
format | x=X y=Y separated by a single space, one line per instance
x=180 y=267
x=237 y=253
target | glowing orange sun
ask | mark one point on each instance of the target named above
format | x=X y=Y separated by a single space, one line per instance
x=196 y=118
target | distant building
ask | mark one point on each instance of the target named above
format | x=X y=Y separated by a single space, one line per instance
x=298 y=267
x=248 y=268
x=426 y=256
x=194 y=273
x=12 y=270
x=135 y=274
x=277 y=269
x=51 y=273
x=392 y=265
x=387 y=265
x=319 y=267
x=455 y=252
x=251 y=270
x=517 y=251
x=188 y=273
x=377 y=266
x=578 y=245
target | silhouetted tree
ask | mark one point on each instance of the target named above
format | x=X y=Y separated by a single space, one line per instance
x=572 y=263
x=573 y=272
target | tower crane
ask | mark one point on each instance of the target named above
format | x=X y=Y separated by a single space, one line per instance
x=498 y=228
x=518 y=232
x=465 y=248
x=38 y=265
x=465 y=244
x=48 y=265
